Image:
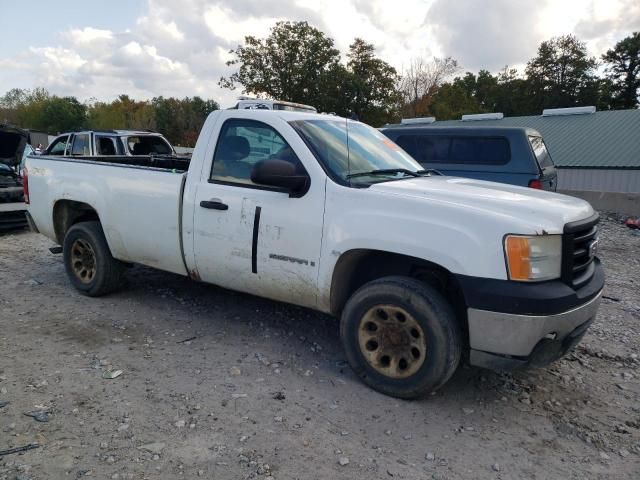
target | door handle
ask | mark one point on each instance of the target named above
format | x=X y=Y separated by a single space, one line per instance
x=214 y=204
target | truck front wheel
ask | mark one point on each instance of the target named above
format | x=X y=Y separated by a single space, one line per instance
x=401 y=336
x=88 y=261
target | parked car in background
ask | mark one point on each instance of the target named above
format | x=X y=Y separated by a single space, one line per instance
x=91 y=143
x=10 y=185
x=513 y=155
x=13 y=145
x=328 y=213
x=13 y=141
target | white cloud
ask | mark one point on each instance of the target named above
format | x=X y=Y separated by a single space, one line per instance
x=181 y=49
x=59 y=58
x=89 y=35
x=222 y=24
x=487 y=34
x=607 y=22
x=156 y=23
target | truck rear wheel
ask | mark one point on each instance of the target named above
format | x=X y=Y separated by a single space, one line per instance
x=88 y=261
x=401 y=337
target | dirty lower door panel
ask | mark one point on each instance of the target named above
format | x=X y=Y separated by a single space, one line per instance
x=260 y=241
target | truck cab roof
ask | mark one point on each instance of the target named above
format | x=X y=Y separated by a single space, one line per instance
x=286 y=115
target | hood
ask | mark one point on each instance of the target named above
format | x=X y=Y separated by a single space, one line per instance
x=13 y=141
x=537 y=209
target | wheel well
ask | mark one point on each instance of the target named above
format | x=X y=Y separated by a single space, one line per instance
x=357 y=267
x=67 y=213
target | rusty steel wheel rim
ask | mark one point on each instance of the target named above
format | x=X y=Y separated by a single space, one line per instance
x=83 y=261
x=392 y=341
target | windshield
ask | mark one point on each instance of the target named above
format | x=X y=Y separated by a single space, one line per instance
x=363 y=156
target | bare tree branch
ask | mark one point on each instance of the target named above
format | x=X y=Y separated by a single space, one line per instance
x=421 y=80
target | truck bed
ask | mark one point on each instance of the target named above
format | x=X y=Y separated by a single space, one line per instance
x=139 y=200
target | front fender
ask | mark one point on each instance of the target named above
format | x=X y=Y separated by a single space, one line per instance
x=461 y=241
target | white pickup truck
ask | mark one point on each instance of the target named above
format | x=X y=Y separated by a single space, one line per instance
x=328 y=213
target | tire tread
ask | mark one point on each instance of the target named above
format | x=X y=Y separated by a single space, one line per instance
x=110 y=271
x=444 y=314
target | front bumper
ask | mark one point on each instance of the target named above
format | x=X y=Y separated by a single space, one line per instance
x=528 y=324
x=505 y=341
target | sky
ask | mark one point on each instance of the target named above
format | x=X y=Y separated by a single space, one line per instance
x=99 y=49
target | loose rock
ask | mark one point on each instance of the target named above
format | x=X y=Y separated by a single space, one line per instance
x=39 y=415
x=155 y=447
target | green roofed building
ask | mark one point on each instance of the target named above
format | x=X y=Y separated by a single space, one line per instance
x=597 y=153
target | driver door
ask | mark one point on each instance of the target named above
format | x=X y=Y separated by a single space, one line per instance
x=254 y=238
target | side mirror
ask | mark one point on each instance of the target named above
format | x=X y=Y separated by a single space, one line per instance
x=282 y=174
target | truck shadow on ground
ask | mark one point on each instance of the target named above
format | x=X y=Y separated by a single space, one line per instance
x=212 y=308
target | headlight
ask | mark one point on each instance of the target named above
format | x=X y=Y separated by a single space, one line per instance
x=533 y=258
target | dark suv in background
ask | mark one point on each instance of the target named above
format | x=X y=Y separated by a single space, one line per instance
x=513 y=155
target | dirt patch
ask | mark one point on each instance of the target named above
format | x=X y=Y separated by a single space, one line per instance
x=228 y=386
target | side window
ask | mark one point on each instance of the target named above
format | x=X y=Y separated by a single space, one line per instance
x=426 y=148
x=408 y=144
x=58 y=147
x=434 y=149
x=242 y=144
x=480 y=150
x=81 y=145
x=105 y=145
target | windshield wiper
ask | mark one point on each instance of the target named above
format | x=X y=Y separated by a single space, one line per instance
x=429 y=171
x=385 y=171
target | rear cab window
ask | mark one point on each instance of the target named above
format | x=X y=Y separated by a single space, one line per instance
x=457 y=149
x=147 y=145
x=540 y=151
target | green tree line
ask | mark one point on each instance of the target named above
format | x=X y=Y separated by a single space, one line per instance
x=299 y=63
x=178 y=119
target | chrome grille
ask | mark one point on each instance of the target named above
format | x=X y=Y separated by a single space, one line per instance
x=580 y=244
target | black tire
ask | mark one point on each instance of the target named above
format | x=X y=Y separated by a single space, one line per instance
x=430 y=311
x=107 y=274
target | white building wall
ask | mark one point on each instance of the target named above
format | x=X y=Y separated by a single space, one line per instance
x=599 y=180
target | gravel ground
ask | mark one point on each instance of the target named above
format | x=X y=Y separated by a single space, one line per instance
x=229 y=386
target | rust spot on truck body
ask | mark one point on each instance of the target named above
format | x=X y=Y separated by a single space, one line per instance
x=194 y=275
